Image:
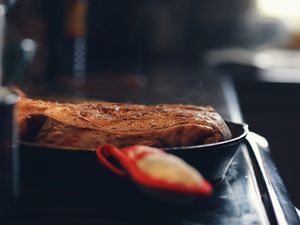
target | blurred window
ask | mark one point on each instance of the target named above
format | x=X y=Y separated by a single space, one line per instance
x=286 y=10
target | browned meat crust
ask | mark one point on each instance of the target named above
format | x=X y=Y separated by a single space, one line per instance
x=87 y=125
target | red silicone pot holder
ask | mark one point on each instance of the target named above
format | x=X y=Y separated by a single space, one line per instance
x=128 y=159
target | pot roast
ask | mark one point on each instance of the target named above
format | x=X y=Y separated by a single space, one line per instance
x=87 y=125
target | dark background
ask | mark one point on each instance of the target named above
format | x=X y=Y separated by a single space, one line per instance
x=122 y=39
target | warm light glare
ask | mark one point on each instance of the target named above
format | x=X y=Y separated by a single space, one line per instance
x=287 y=10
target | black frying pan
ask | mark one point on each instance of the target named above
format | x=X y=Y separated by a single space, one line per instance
x=77 y=172
x=212 y=160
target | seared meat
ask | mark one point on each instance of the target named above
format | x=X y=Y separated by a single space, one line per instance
x=87 y=125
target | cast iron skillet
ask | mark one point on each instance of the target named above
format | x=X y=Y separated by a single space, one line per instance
x=213 y=160
x=71 y=171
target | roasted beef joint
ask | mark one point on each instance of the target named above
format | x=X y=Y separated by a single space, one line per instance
x=87 y=125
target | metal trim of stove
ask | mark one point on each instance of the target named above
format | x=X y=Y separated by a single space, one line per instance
x=279 y=208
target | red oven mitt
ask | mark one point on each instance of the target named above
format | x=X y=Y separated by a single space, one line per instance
x=155 y=170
